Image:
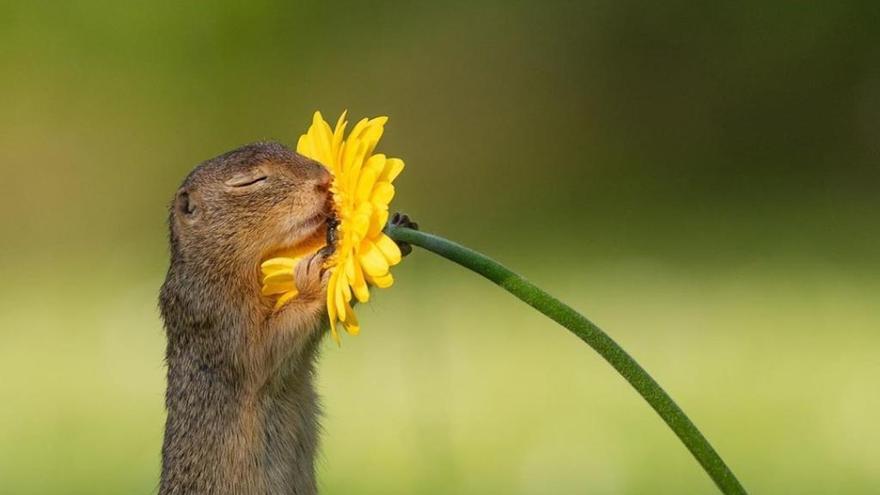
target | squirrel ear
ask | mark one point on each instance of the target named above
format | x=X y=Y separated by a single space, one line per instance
x=184 y=204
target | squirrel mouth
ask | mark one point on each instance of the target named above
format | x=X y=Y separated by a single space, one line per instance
x=313 y=231
x=302 y=235
x=308 y=227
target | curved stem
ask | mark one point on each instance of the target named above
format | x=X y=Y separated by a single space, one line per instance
x=587 y=331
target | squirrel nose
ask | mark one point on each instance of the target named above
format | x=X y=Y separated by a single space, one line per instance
x=324 y=179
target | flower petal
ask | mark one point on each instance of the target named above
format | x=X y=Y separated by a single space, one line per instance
x=340 y=302
x=338 y=135
x=389 y=249
x=304 y=146
x=354 y=167
x=383 y=193
x=284 y=277
x=382 y=282
x=372 y=260
x=356 y=279
x=365 y=184
x=350 y=323
x=393 y=167
x=331 y=306
x=376 y=162
x=284 y=298
x=378 y=221
x=346 y=290
x=360 y=221
x=277 y=264
x=373 y=133
x=272 y=289
x=321 y=140
x=351 y=145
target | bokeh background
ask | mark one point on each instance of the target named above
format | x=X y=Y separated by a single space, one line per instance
x=701 y=179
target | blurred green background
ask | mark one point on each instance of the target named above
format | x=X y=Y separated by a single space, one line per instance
x=701 y=179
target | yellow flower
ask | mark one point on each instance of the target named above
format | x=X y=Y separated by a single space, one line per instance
x=278 y=272
x=361 y=190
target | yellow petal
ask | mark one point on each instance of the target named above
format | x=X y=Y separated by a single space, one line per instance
x=389 y=249
x=376 y=162
x=356 y=280
x=304 y=146
x=372 y=260
x=352 y=144
x=338 y=135
x=331 y=306
x=353 y=167
x=277 y=272
x=322 y=137
x=360 y=221
x=346 y=290
x=350 y=323
x=377 y=221
x=349 y=267
x=340 y=302
x=358 y=129
x=383 y=193
x=370 y=128
x=365 y=184
x=393 y=167
x=278 y=278
x=284 y=298
x=359 y=287
x=277 y=264
x=382 y=282
x=373 y=133
x=272 y=289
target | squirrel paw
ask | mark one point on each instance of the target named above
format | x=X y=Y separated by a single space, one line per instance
x=310 y=277
x=402 y=220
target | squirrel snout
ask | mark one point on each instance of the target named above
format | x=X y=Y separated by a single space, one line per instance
x=323 y=178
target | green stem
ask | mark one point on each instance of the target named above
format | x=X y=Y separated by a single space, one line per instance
x=593 y=336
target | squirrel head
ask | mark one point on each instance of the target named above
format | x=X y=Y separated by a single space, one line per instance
x=234 y=210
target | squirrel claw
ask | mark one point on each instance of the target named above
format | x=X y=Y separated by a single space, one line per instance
x=326 y=251
x=309 y=274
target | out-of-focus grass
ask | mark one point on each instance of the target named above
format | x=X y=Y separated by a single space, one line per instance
x=454 y=387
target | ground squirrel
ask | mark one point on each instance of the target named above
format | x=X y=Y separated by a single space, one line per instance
x=242 y=410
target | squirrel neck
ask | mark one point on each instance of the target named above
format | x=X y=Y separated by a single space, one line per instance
x=225 y=433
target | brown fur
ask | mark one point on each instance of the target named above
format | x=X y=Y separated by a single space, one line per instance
x=242 y=410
